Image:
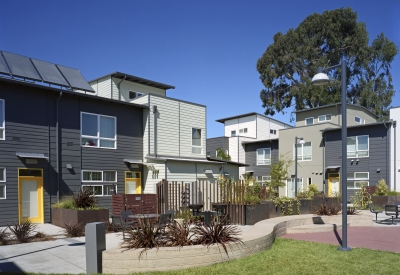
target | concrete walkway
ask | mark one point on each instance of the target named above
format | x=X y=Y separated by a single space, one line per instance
x=381 y=236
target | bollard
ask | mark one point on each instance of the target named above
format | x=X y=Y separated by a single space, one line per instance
x=95 y=237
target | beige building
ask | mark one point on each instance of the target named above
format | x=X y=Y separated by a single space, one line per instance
x=311 y=155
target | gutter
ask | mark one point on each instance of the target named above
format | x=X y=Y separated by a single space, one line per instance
x=57 y=149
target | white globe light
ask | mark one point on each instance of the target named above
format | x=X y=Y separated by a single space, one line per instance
x=320 y=79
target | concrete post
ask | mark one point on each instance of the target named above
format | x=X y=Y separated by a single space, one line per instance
x=95 y=236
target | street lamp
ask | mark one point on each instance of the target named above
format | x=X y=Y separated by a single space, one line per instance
x=322 y=79
x=296 y=141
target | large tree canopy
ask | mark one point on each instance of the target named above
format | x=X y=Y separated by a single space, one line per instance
x=288 y=65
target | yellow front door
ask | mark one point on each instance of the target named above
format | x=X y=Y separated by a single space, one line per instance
x=133 y=182
x=333 y=184
x=30 y=195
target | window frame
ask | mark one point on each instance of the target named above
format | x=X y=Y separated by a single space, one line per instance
x=102 y=188
x=305 y=121
x=233 y=133
x=319 y=120
x=4 y=186
x=201 y=141
x=98 y=138
x=4 y=174
x=355 y=119
x=272 y=131
x=102 y=176
x=356 y=180
x=3 y=123
x=302 y=150
x=356 y=151
x=264 y=159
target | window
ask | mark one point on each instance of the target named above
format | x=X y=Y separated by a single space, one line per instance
x=358 y=119
x=133 y=94
x=271 y=131
x=98 y=131
x=233 y=133
x=324 y=118
x=264 y=156
x=357 y=146
x=356 y=179
x=2 y=174
x=309 y=121
x=291 y=186
x=102 y=190
x=243 y=131
x=196 y=141
x=2 y=186
x=304 y=152
x=2 y=120
x=99 y=176
x=263 y=179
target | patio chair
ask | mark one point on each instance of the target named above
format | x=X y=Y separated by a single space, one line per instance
x=172 y=212
x=118 y=223
x=376 y=212
x=393 y=211
x=164 y=220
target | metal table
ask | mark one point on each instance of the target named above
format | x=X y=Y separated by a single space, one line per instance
x=141 y=216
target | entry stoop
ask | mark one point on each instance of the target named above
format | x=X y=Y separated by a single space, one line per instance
x=312 y=228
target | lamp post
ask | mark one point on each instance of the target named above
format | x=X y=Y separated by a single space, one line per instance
x=322 y=79
x=296 y=141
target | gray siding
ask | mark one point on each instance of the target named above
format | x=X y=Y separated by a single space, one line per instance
x=214 y=143
x=378 y=153
x=31 y=128
x=251 y=157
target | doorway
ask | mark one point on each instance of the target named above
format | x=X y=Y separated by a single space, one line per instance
x=333 y=184
x=133 y=182
x=30 y=195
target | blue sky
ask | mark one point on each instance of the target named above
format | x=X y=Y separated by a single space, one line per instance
x=207 y=49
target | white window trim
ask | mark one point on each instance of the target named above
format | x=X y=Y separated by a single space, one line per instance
x=102 y=175
x=201 y=141
x=264 y=159
x=4 y=174
x=302 y=152
x=272 y=131
x=355 y=184
x=3 y=123
x=357 y=156
x=305 y=121
x=5 y=191
x=299 y=184
x=233 y=133
x=98 y=138
x=355 y=119
x=319 y=120
x=102 y=189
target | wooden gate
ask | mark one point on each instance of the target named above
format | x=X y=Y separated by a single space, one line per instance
x=137 y=203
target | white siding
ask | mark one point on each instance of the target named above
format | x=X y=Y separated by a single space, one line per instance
x=181 y=171
x=192 y=116
x=149 y=180
x=248 y=122
x=264 y=125
x=395 y=163
x=102 y=87
x=127 y=86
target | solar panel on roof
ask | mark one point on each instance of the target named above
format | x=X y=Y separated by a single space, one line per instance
x=75 y=78
x=3 y=66
x=49 y=72
x=21 y=66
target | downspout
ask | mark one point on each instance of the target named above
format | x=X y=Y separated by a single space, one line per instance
x=57 y=149
x=323 y=161
x=155 y=129
x=111 y=84
x=148 y=125
x=118 y=86
x=394 y=156
x=388 y=135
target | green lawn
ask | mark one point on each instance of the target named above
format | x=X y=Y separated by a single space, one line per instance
x=299 y=257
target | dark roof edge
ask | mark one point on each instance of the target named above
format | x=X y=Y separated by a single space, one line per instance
x=229 y=162
x=355 y=126
x=260 y=140
x=137 y=80
x=222 y=120
x=335 y=104
x=13 y=81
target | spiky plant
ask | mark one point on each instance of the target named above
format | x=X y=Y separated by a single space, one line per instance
x=84 y=198
x=4 y=235
x=74 y=230
x=178 y=235
x=146 y=235
x=22 y=231
x=218 y=232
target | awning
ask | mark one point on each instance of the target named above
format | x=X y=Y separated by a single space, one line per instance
x=332 y=167
x=135 y=161
x=208 y=171
x=31 y=155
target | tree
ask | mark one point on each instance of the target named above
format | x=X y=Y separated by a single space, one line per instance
x=279 y=173
x=288 y=65
x=221 y=154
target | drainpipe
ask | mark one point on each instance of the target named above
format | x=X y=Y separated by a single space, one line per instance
x=119 y=90
x=323 y=161
x=155 y=128
x=388 y=135
x=148 y=127
x=57 y=150
x=394 y=156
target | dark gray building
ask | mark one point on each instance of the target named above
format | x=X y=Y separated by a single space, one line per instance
x=54 y=141
x=368 y=156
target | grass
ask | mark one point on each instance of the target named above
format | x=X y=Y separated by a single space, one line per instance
x=299 y=257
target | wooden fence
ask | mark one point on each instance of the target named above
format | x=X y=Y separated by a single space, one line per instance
x=137 y=203
x=179 y=195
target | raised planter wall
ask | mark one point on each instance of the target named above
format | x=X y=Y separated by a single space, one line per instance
x=61 y=216
x=382 y=200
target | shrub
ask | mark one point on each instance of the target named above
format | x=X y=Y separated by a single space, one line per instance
x=313 y=188
x=178 y=235
x=393 y=193
x=74 y=230
x=22 y=231
x=361 y=197
x=219 y=232
x=65 y=202
x=381 y=189
x=328 y=208
x=84 y=198
x=286 y=205
x=252 y=193
x=4 y=236
x=145 y=236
